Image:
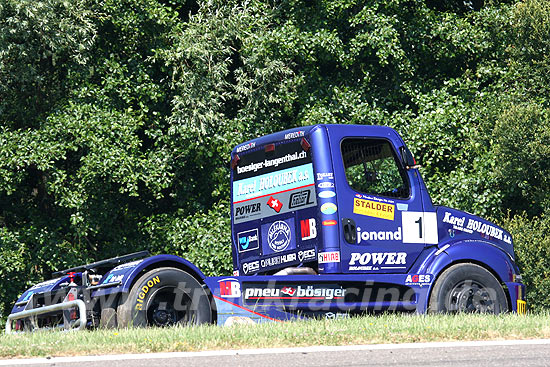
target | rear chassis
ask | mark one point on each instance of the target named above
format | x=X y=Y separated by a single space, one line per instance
x=69 y=301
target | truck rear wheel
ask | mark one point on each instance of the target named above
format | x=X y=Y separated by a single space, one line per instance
x=467 y=288
x=164 y=297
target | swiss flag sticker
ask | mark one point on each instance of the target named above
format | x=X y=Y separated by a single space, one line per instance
x=275 y=204
x=288 y=290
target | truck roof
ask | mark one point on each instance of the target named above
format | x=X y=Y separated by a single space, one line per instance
x=373 y=130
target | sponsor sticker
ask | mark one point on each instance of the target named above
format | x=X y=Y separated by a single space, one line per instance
x=246 y=147
x=286 y=155
x=308 y=229
x=326 y=185
x=298 y=199
x=273 y=183
x=377 y=260
x=325 y=175
x=418 y=279
x=328 y=208
x=247 y=210
x=248 y=240
x=264 y=207
x=374 y=198
x=288 y=291
x=370 y=236
x=306 y=255
x=327 y=194
x=373 y=209
x=298 y=293
x=295 y=134
x=472 y=225
x=278 y=236
x=275 y=162
x=111 y=278
x=277 y=260
x=336 y=316
x=251 y=267
x=230 y=288
x=275 y=204
x=46 y=283
x=330 y=222
x=236 y=273
x=329 y=257
x=128 y=265
x=402 y=207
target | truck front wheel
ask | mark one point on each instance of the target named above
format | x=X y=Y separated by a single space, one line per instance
x=164 y=297
x=467 y=288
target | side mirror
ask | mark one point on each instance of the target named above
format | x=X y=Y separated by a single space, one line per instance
x=407 y=158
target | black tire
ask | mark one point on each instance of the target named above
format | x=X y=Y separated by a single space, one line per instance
x=164 y=297
x=467 y=288
x=108 y=305
x=108 y=318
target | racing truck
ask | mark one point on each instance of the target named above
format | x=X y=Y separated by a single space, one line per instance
x=328 y=221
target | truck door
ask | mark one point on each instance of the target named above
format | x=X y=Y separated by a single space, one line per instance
x=384 y=226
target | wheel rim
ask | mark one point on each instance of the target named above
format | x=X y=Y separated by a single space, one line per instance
x=168 y=306
x=471 y=296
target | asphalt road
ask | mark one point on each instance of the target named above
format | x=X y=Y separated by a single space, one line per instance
x=505 y=354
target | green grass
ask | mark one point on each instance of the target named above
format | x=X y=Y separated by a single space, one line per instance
x=360 y=330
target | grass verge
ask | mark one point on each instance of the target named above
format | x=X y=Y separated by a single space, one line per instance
x=392 y=328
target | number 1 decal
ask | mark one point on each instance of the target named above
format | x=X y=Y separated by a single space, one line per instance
x=419 y=227
x=419 y=221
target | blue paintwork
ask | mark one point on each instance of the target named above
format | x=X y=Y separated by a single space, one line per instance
x=234 y=300
x=42 y=287
x=330 y=234
x=404 y=243
x=367 y=223
x=125 y=273
x=129 y=272
x=479 y=242
x=472 y=228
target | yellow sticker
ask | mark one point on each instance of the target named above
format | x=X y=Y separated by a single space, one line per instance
x=522 y=307
x=373 y=209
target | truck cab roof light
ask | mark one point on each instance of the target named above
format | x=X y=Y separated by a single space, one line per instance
x=305 y=144
x=235 y=161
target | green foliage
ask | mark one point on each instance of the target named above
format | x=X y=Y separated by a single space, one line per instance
x=41 y=42
x=202 y=238
x=532 y=247
x=117 y=117
x=532 y=30
x=524 y=173
x=12 y=259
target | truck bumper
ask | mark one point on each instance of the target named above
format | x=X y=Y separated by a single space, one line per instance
x=79 y=324
x=516 y=291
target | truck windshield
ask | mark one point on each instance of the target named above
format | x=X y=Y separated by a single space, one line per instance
x=272 y=180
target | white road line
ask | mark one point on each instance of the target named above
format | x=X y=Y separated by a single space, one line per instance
x=122 y=357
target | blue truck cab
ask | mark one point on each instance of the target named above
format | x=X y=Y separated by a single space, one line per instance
x=346 y=204
x=327 y=221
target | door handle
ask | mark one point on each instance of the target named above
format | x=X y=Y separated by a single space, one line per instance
x=350 y=234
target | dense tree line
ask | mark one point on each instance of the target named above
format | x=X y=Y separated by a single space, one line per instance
x=117 y=117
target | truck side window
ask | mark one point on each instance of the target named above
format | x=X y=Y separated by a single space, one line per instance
x=371 y=168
